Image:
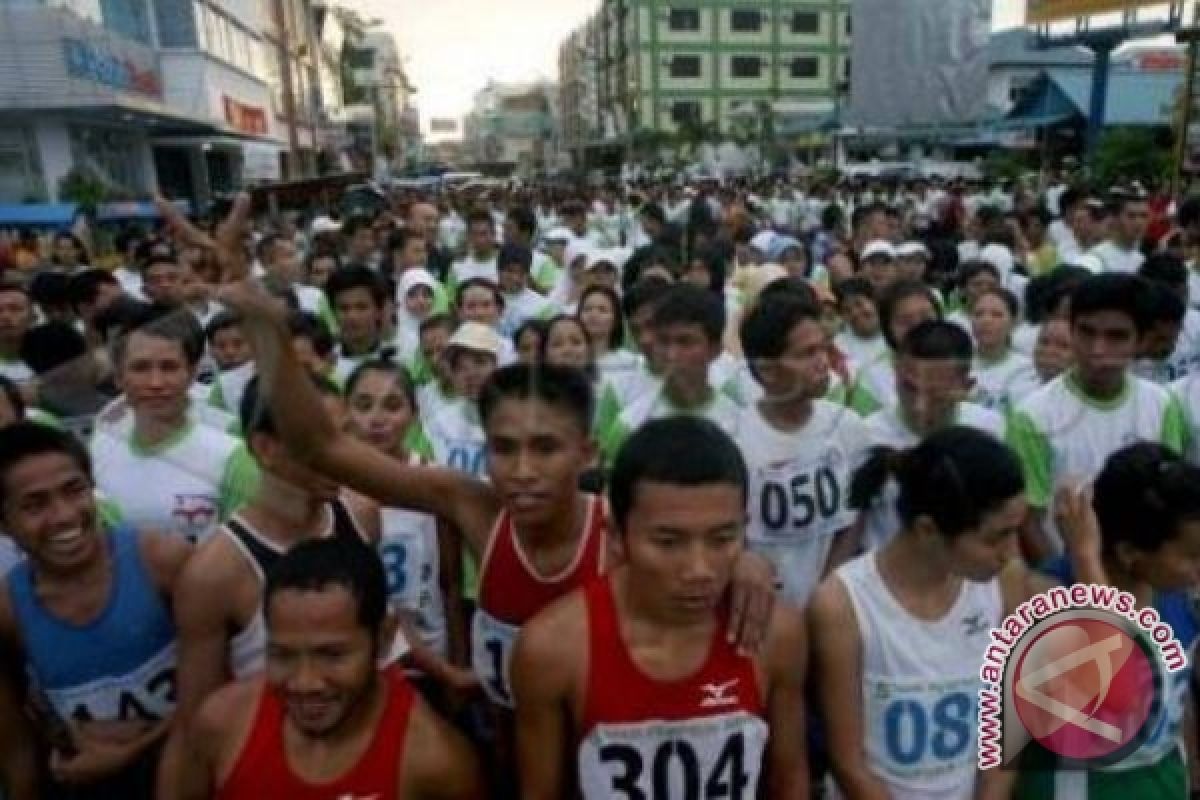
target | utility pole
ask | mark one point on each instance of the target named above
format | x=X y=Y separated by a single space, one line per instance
x=289 y=97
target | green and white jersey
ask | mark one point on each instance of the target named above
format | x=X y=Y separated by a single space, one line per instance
x=457 y=439
x=190 y=483
x=544 y=272
x=432 y=400
x=799 y=490
x=1187 y=394
x=1063 y=436
x=860 y=350
x=720 y=409
x=228 y=387
x=1003 y=382
x=312 y=300
x=888 y=428
x=1184 y=359
x=873 y=386
x=525 y=305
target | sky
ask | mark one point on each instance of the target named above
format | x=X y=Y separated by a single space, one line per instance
x=452 y=47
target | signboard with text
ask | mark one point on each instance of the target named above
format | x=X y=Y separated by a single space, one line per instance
x=92 y=61
x=1038 y=12
x=244 y=118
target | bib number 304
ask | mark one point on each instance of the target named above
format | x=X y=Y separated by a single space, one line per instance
x=675 y=771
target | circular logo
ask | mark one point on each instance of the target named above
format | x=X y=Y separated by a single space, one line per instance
x=1088 y=689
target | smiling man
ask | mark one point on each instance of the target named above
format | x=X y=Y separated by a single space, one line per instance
x=326 y=722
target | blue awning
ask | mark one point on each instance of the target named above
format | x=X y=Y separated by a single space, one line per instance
x=38 y=215
x=116 y=212
x=1136 y=98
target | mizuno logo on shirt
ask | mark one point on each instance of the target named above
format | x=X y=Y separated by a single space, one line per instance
x=974 y=625
x=717 y=695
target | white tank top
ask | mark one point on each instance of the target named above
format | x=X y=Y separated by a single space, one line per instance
x=920 y=684
x=408 y=548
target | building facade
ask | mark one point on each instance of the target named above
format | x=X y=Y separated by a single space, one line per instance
x=511 y=128
x=705 y=63
x=579 y=120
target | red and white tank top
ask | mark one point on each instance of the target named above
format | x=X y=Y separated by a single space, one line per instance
x=262 y=770
x=511 y=592
x=701 y=736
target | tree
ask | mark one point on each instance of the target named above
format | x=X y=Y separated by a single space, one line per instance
x=1129 y=154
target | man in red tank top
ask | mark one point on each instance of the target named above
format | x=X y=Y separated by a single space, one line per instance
x=657 y=703
x=326 y=722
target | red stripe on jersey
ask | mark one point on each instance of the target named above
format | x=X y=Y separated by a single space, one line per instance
x=262 y=771
x=618 y=691
x=512 y=591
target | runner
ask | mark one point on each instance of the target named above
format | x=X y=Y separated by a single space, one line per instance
x=800 y=449
x=200 y=475
x=87 y=614
x=898 y=633
x=219 y=596
x=325 y=722
x=627 y=689
x=1141 y=522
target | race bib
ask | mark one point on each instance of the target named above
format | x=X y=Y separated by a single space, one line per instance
x=922 y=734
x=147 y=693
x=710 y=757
x=492 y=644
x=798 y=498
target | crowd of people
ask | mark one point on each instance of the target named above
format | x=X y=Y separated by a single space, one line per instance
x=654 y=491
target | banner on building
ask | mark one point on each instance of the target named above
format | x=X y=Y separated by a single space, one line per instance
x=1038 y=12
x=917 y=63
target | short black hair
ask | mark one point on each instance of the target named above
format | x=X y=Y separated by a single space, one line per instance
x=388 y=367
x=765 y=328
x=84 y=286
x=222 y=321
x=566 y=389
x=1124 y=294
x=303 y=325
x=792 y=286
x=1142 y=495
x=28 y=439
x=254 y=412
x=514 y=255
x=1006 y=297
x=936 y=339
x=684 y=304
x=1166 y=269
x=682 y=450
x=853 y=287
x=173 y=324
x=654 y=212
x=972 y=269
x=523 y=219
x=356 y=276
x=441 y=320
x=479 y=215
x=318 y=564
x=1165 y=304
x=46 y=347
x=896 y=294
x=1188 y=213
x=478 y=283
x=644 y=293
x=51 y=290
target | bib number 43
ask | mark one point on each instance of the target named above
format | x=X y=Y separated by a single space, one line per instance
x=675 y=771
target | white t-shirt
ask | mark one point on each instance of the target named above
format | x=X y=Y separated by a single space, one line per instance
x=1001 y=384
x=1117 y=259
x=456 y=435
x=467 y=268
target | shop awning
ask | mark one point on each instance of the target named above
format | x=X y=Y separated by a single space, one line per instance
x=1136 y=98
x=38 y=215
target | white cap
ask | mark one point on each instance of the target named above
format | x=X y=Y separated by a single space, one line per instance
x=878 y=247
x=476 y=336
x=576 y=249
x=603 y=256
x=559 y=234
x=913 y=248
x=762 y=240
x=325 y=224
x=999 y=257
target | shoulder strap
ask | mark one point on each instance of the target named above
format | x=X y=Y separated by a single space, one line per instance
x=345 y=526
x=260 y=556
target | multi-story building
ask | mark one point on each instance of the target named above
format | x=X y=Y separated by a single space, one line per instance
x=380 y=83
x=511 y=128
x=663 y=65
x=138 y=95
x=579 y=91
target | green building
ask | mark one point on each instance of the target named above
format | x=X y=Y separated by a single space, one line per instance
x=714 y=62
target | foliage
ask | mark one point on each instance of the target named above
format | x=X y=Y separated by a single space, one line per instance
x=82 y=186
x=1005 y=165
x=1129 y=154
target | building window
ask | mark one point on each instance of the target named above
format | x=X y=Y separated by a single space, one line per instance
x=684 y=19
x=806 y=22
x=849 y=25
x=112 y=154
x=685 y=111
x=746 y=66
x=846 y=70
x=745 y=21
x=685 y=67
x=805 y=67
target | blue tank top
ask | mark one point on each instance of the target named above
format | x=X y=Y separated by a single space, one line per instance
x=119 y=666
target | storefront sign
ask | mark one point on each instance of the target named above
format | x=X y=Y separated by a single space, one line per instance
x=92 y=62
x=1042 y=11
x=244 y=118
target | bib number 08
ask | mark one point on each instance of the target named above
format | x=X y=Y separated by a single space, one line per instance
x=674 y=764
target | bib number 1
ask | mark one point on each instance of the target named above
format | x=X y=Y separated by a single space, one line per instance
x=675 y=772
